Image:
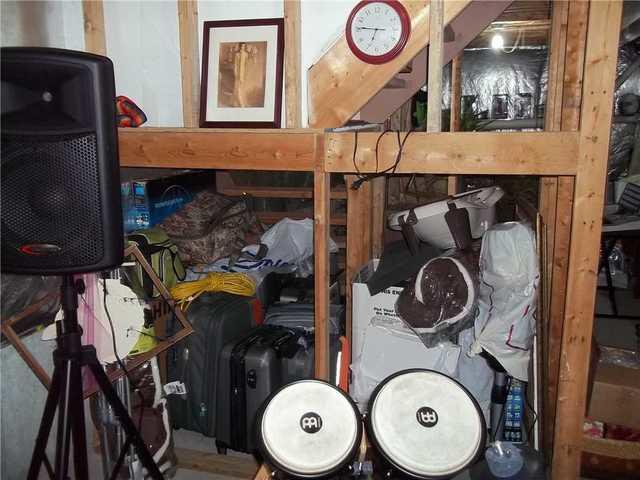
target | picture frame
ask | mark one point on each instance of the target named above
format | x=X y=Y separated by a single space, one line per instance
x=242 y=68
x=161 y=307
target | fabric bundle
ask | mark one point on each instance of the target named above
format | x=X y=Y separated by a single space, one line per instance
x=441 y=300
x=508 y=296
x=129 y=114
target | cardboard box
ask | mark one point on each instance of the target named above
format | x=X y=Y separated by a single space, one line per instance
x=616 y=395
x=365 y=306
x=147 y=202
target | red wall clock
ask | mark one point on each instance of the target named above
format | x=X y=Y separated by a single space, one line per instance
x=377 y=30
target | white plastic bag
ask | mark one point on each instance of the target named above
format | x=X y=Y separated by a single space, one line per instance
x=290 y=249
x=389 y=346
x=475 y=373
x=507 y=305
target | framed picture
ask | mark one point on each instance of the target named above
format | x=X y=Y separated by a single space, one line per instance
x=160 y=308
x=242 y=73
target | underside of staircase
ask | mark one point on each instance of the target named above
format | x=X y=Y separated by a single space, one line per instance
x=341 y=85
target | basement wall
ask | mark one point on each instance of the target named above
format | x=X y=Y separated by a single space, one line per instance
x=143 y=42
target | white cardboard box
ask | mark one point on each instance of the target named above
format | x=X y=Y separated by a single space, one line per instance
x=366 y=306
x=383 y=345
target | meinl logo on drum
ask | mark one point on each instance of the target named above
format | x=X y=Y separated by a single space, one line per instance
x=311 y=422
x=427 y=417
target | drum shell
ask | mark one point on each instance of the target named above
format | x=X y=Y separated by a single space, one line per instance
x=284 y=472
x=383 y=463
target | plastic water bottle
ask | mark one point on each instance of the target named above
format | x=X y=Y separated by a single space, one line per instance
x=504 y=459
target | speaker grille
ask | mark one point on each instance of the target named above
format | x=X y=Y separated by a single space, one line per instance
x=51 y=195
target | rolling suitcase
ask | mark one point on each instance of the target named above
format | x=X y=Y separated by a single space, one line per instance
x=217 y=318
x=269 y=357
x=249 y=370
x=298 y=358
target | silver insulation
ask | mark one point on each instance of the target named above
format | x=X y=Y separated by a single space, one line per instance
x=501 y=87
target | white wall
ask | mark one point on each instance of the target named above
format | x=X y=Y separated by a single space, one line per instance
x=323 y=22
x=143 y=41
x=42 y=24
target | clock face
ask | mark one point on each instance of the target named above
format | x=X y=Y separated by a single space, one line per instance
x=377 y=31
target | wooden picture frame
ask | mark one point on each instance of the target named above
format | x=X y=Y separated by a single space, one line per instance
x=132 y=362
x=242 y=65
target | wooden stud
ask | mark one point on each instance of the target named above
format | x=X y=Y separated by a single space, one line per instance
x=189 y=61
x=340 y=84
x=455 y=111
x=434 y=72
x=571 y=98
x=479 y=153
x=94 y=34
x=378 y=215
x=321 y=216
x=548 y=196
x=596 y=113
x=292 y=63
x=260 y=149
x=359 y=221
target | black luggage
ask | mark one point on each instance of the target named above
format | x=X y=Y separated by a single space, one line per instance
x=217 y=319
x=250 y=370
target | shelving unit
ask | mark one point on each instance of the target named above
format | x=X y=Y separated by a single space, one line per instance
x=571 y=158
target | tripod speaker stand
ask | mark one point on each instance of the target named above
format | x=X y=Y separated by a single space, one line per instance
x=65 y=395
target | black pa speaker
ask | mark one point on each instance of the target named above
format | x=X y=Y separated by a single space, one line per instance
x=60 y=197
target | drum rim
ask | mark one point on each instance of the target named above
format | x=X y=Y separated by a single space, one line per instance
x=341 y=466
x=372 y=438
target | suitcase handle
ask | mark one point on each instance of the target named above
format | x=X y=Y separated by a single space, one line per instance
x=287 y=346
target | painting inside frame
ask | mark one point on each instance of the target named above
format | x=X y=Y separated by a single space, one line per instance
x=242 y=73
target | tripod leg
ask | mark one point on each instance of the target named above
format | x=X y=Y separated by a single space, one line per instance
x=78 y=429
x=127 y=424
x=64 y=425
x=39 y=453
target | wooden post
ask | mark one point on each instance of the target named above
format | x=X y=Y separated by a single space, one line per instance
x=595 y=126
x=189 y=55
x=434 y=72
x=94 y=36
x=359 y=220
x=569 y=31
x=547 y=203
x=321 y=216
x=454 y=120
x=292 y=63
x=378 y=217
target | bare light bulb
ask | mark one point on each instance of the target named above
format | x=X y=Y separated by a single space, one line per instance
x=497 y=41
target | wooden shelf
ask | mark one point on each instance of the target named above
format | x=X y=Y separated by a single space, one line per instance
x=279 y=192
x=229 y=149
x=469 y=153
x=273 y=217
